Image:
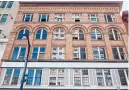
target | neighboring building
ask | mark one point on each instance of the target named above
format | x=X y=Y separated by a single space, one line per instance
x=74 y=46
x=8 y=12
x=125 y=18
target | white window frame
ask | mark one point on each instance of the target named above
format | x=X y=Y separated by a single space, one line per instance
x=112 y=16
x=62 y=17
x=118 y=51
x=96 y=17
x=42 y=15
x=98 y=49
x=78 y=52
x=57 y=75
x=12 y=74
x=76 y=32
x=41 y=33
x=38 y=51
x=34 y=76
x=103 y=76
x=76 y=16
x=96 y=35
x=19 y=51
x=114 y=34
x=126 y=77
x=81 y=76
x=58 y=52
x=24 y=16
x=59 y=34
x=24 y=32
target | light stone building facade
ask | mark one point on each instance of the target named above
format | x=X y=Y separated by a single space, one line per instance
x=74 y=46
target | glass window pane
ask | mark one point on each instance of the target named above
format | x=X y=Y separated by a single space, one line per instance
x=109 y=18
x=42 y=49
x=3 y=4
x=38 y=77
x=30 y=77
x=115 y=53
x=10 y=3
x=122 y=77
x=15 y=77
x=77 y=81
x=52 y=81
x=7 y=77
x=4 y=18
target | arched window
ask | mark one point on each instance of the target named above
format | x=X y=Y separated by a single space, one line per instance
x=41 y=34
x=114 y=34
x=96 y=34
x=22 y=32
x=78 y=34
x=59 y=34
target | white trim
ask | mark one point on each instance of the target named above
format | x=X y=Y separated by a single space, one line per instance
x=66 y=64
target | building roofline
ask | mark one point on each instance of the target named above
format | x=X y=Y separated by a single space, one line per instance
x=70 y=2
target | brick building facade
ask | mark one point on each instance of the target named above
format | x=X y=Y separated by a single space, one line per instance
x=74 y=45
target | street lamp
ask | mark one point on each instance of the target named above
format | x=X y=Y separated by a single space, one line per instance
x=26 y=61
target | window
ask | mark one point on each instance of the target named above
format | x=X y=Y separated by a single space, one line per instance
x=27 y=17
x=109 y=18
x=15 y=77
x=78 y=34
x=58 y=53
x=41 y=34
x=76 y=17
x=96 y=34
x=103 y=77
x=118 y=53
x=56 y=77
x=81 y=77
x=38 y=53
x=10 y=4
x=14 y=73
x=114 y=34
x=93 y=18
x=38 y=75
x=59 y=17
x=3 y=18
x=5 y=4
x=30 y=77
x=99 y=53
x=43 y=17
x=79 y=53
x=34 y=75
x=59 y=34
x=122 y=77
x=19 y=52
x=21 y=34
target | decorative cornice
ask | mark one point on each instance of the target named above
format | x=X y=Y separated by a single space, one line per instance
x=103 y=8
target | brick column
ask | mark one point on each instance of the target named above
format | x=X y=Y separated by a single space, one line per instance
x=35 y=17
x=125 y=39
x=89 y=47
x=48 y=46
x=108 y=47
x=68 y=48
x=51 y=17
x=68 y=17
x=101 y=17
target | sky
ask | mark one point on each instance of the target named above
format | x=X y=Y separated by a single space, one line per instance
x=125 y=5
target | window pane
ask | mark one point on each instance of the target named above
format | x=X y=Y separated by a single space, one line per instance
x=122 y=77
x=117 y=35
x=52 y=81
x=38 y=77
x=7 y=77
x=4 y=18
x=60 y=81
x=100 y=81
x=115 y=53
x=3 y=4
x=30 y=77
x=109 y=18
x=10 y=4
x=42 y=49
x=22 y=53
x=15 y=77
x=77 y=81
x=15 y=53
